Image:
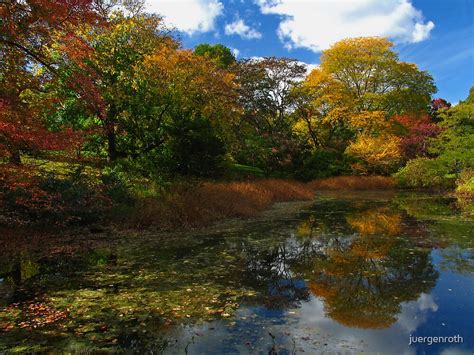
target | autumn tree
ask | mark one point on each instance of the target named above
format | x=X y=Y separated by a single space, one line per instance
x=375 y=155
x=28 y=31
x=358 y=87
x=375 y=79
x=190 y=106
x=415 y=132
x=361 y=84
x=322 y=110
x=30 y=26
x=438 y=106
x=103 y=66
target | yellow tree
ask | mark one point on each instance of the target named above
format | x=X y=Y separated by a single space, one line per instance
x=375 y=154
x=358 y=87
x=369 y=69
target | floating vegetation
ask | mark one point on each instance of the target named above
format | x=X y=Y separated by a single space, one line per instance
x=363 y=258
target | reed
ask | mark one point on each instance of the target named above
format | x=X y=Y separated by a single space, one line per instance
x=210 y=202
x=354 y=183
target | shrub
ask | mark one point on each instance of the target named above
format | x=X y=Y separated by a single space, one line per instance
x=425 y=172
x=322 y=164
x=115 y=186
x=375 y=155
x=465 y=183
x=74 y=198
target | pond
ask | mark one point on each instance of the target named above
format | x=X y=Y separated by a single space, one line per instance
x=349 y=272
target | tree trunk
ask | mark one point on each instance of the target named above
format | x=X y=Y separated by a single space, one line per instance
x=109 y=121
x=112 y=146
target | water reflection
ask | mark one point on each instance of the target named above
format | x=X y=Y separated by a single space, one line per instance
x=356 y=273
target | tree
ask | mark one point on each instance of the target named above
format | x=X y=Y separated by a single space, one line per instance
x=267 y=98
x=190 y=106
x=348 y=102
x=30 y=26
x=358 y=87
x=451 y=151
x=438 y=106
x=220 y=54
x=415 y=132
x=28 y=31
x=102 y=70
x=265 y=92
x=370 y=71
x=455 y=144
x=322 y=111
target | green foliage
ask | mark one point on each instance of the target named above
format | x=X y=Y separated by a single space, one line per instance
x=116 y=186
x=426 y=173
x=465 y=183
x=237 y=171
x=218 y=53
x=455 y=144
x=322 y=164
x=453 y=149
x=194 y=149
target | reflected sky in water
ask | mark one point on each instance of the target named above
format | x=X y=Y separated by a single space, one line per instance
x=353 y=272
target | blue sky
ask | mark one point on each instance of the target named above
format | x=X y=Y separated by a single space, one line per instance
x=437 y=35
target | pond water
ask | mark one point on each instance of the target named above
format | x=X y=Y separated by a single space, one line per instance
x=349 y=272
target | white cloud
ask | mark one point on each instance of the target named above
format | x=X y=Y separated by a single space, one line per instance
x=317 y=24
x=309 y=67
x=239 y=27
x=235 y=52
x=189 y=16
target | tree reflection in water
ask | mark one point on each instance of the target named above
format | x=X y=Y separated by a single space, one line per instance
x=360 y=260
x=362 y=275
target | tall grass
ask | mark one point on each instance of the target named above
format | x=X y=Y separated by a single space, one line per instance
x=213 y=201
x=187 y=206
x=353 y=183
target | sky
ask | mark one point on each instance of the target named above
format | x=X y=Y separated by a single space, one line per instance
x=437 y=35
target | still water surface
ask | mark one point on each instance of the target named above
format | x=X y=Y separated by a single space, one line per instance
x=350 y=272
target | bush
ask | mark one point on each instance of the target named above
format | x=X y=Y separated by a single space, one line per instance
x=465 y=183
x=375 y=155
x=75 y=198
x=322 y=164
x=115 y=186
x=195 y=150
x=425 y=172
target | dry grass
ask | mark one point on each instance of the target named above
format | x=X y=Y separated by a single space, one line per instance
x=212 y=202
x=353 y=183
x=201 y=205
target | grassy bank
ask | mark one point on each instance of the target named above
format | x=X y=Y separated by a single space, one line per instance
x=90 y=199
x=353 y=183
x=214 y=201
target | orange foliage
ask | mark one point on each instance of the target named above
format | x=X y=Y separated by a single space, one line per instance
x=376 y=221
x=321 y=290
x=363 y=318
x=353 y=183
x=211 y=202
